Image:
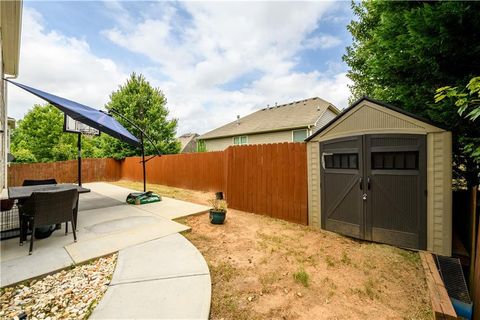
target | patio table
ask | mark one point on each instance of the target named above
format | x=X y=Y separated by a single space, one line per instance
x=25 y=192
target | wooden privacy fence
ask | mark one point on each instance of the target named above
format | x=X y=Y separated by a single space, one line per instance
x=268 y=179
x=65 y=171
x=197 y=171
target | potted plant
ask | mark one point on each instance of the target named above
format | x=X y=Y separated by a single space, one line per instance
x=218 y=211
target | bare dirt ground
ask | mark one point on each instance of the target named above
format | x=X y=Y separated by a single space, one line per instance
x=265 y=268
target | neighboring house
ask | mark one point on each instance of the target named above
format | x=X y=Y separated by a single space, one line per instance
x=10 y=26
x=291 y=122
x=188 y=142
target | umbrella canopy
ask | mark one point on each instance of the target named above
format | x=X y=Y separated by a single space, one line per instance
x=92 y=117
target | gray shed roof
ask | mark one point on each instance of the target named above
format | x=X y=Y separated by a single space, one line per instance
x=292 y=115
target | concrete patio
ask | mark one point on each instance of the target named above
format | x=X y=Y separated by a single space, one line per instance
x=105 y=225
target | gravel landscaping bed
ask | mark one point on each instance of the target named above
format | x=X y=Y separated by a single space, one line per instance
x=67 y=294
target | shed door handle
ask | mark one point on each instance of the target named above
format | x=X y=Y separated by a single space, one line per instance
x=360 y=183
x=368 y=183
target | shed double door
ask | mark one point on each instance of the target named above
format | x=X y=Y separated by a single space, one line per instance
x=373 y=187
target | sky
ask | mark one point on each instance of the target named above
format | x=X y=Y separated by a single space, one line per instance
x=212 y=60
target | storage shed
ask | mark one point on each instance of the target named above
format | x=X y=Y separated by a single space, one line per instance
x=379 y=173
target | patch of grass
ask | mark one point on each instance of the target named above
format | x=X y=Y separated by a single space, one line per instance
x=227 y=306
x=272 y=239
x=346 y=259
x=267 y=280
x=328 y=284
x=302 y=277
x=302 y=257
x=330 y=261
x=409 y=256
x=368 y=290
x=224 y=271
x=369 y=287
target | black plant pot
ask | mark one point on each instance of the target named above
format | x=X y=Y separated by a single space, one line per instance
x=217 y=216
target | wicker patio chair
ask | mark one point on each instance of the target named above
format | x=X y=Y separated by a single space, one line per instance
x=48 y=208
x=26 y=183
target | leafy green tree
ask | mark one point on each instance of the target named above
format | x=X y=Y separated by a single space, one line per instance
x=403 y=51
x=39 y=137
x=144 y=105
x=467 y=101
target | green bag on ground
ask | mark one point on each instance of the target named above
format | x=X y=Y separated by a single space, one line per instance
x=143 y=197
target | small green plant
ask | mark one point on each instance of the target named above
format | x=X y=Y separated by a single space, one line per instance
x=218 y=205
x=330 y=261
x=302 y=277
x=346 y=259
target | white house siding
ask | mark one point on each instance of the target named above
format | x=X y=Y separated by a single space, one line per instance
x=326 y=117
x=220 y=144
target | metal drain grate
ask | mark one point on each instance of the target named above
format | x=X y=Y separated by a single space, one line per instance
x=452 y=275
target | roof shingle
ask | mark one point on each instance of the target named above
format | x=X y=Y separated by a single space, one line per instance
x=282 y=117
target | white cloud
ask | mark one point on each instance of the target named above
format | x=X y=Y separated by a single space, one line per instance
x=324 y=41
x=223 y=42
x=61 y=65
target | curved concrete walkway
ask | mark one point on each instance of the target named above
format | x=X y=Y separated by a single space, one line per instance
x=166 y=278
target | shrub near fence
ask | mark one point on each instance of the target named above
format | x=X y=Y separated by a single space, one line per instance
x=269 y=179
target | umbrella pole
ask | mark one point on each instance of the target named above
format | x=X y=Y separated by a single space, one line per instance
x=143 y=164
x=79 y=158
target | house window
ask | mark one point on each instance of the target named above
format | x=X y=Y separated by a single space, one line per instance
x=395 y=160
x=341 y=161
x=299 y=135
x=239 y=140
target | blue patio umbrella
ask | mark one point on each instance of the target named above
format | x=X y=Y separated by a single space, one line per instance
x=94 y=118
x=85 y=114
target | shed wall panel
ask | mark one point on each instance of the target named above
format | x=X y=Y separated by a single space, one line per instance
x=439 y=191
x=313 y=162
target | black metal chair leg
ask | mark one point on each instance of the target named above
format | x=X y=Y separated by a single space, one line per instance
x=21 y=222
x=75 y=213
x=74 y=227
x=66 y=228
x=32 y=237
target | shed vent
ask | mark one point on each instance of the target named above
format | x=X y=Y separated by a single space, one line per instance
x=452 y=275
